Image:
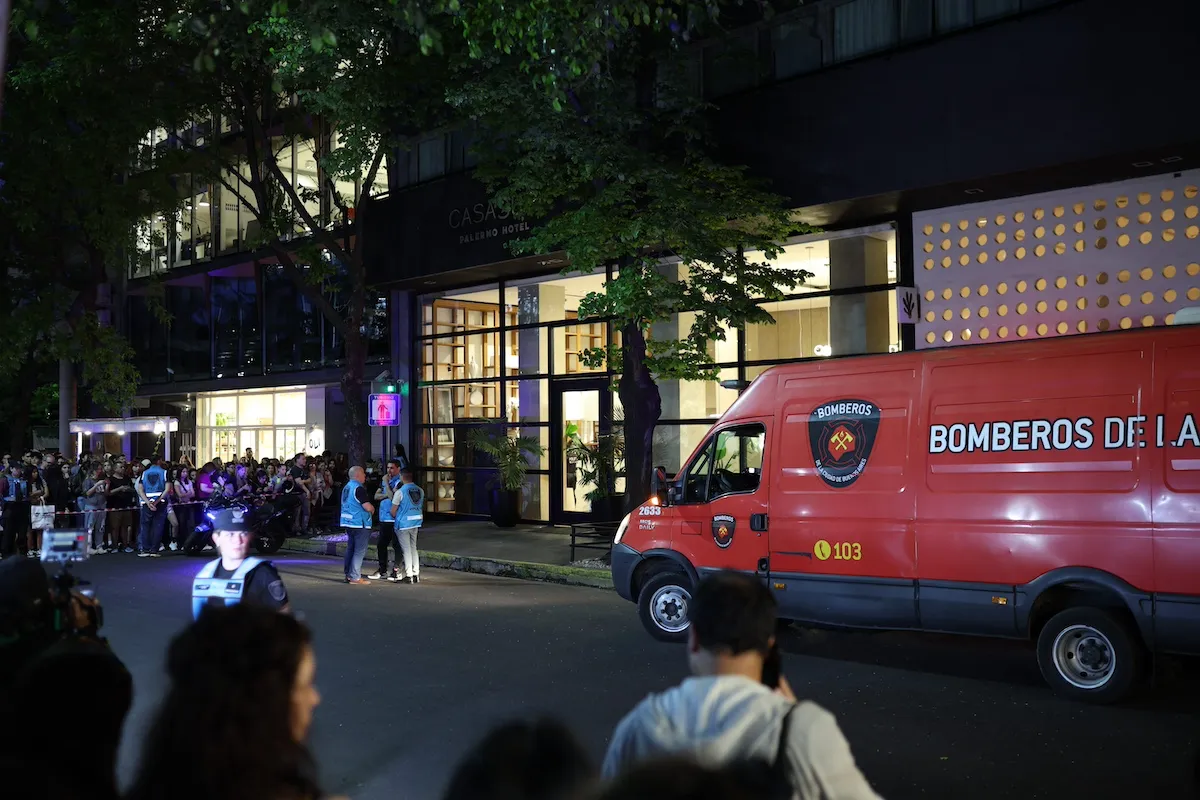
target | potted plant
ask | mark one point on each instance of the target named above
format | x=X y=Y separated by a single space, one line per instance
x=597 y=464
x=509 y=454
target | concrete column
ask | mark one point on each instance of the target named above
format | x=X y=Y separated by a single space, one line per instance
x=858 y=323
x=66 y=406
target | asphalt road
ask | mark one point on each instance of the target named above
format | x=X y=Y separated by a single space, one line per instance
x=411 y=676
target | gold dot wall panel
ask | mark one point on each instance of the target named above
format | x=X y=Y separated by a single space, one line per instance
x=1097 y=258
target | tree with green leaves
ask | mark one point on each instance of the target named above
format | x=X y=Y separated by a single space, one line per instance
x=612 y=153
x=69 y=208
x=356 y=80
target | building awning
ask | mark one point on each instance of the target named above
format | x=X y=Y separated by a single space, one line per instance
x=123 y=425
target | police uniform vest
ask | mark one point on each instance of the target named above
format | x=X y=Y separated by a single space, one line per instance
x=154 y=482
x=230 y=589
x=353 y=513
x=385 y=506
x=409 y=513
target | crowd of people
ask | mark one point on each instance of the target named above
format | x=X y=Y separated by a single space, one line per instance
x=148 y=506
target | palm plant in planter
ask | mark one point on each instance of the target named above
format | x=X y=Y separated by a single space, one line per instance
x=597 y=464
x=509 y=455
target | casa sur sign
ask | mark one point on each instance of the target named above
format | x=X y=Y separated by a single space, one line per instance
x=483 y=221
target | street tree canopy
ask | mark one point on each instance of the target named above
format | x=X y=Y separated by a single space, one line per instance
x=614 y=159
x=350 y=80
x=79 y=94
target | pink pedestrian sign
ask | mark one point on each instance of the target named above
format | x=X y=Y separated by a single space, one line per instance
x=383 y=410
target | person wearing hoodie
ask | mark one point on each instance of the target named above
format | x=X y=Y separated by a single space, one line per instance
x=737 y=707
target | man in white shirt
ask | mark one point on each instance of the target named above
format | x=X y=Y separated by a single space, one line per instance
x=727 y=713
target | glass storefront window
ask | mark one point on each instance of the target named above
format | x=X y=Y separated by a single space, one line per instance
x=255 y=409
x=674 y=443
x=528 y=400
x=289 y=408
x=272 y=423
x=697 y=399
x=527 y=351
x=221 y=411
x=476 y=308
x=801 y=330
x=519 y=360
x=447 y=404
x=552 y=298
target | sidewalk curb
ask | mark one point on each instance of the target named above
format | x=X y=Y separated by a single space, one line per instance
x=548 y=573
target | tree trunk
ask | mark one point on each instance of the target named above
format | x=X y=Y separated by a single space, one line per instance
x=643 y=407
x=355 y=397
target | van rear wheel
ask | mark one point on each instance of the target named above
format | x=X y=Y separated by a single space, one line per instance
x=1090 y=654
x=664 y=604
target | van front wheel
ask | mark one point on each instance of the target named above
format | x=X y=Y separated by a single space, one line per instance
x=664 y=604
x=1090 y=654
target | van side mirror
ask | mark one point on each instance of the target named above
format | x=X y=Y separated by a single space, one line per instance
x=659 y=486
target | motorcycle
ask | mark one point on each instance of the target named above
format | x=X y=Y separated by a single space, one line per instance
x=272 y=521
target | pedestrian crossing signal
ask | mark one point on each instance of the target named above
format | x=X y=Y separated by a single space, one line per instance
x=383 y=410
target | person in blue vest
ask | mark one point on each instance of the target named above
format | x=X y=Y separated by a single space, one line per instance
x=356 y=519
x=235 y=577
x=387 y=516
x=152 y=491
x=409 y=504
x=16 y=509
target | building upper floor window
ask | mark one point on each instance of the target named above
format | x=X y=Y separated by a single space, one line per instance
x=819 y=35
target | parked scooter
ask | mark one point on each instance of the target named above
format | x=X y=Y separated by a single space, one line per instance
x=272 y=521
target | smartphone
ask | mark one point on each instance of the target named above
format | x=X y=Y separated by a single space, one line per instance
x=772 y=667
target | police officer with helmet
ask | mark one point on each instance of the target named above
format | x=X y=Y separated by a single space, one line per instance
x=235 y=577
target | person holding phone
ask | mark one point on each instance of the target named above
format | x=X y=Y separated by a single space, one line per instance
x=737 y=706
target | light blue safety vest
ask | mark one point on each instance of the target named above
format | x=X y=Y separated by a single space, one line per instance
x=228 y=589
x=353 y=514
x=412 y=501
x=15 y=484
x=154 y=482
x=385 y=505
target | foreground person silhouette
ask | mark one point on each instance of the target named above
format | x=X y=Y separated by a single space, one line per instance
x=235 y=718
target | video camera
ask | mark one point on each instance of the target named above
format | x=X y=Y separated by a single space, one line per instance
x=77 y=612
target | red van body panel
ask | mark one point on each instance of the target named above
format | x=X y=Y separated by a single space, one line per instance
x=949 y=489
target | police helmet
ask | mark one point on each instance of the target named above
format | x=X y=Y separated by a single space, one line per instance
x=233 y=518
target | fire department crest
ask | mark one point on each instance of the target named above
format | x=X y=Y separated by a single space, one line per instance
x=841 y=435
x=722 y=528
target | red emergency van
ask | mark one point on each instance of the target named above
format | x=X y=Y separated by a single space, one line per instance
x=1045 y=490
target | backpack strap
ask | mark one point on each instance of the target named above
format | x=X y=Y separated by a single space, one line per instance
x=780 y=766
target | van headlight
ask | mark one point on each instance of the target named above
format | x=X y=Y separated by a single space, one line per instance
x=624 y=526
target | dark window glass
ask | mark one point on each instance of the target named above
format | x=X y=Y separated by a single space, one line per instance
x=994 y=9
x=432 y=156
x=797 y=46
x=283 y=321
x=191 y=355
x=732 y=66
x=916 y=19
x=237 y=332
x=398 y=175
x=148 y=337
x=953 y=15
x=376 y=329
x=864 y=26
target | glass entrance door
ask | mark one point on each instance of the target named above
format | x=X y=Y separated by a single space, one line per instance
x=582 y=482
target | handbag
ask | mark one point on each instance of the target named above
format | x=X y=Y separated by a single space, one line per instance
x=41 y=517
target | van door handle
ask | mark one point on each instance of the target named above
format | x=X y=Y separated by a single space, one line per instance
x=764 y=564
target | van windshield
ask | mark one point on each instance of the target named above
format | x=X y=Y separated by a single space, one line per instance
x=730 y=462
